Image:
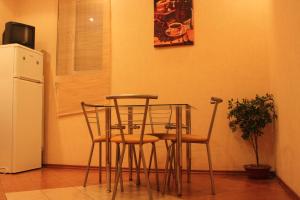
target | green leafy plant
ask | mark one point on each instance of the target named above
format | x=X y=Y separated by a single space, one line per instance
x=251 y=116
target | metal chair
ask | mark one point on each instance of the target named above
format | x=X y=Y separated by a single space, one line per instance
x=133 y=139
x=194 y=139
x=160 y=121
x=160 y=118
x=91 y=114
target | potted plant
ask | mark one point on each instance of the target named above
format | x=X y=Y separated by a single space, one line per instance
x=251 y=116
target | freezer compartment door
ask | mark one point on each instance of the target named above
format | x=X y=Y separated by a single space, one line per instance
x=28 y=64
x=27 y=125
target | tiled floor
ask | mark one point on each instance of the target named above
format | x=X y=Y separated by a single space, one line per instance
x=94 y=192
x=41 y=184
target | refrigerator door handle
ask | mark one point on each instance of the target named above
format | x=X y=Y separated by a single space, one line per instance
x=28 y=79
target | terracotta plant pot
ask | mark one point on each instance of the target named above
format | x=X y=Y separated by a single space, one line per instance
x=258 y=172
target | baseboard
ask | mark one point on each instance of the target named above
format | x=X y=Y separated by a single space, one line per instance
x=289 y=190
x=194 y=171
x=60 y=166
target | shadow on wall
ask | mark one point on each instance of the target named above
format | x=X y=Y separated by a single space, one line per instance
x=50 y=106
x=7 y=14
x=285 y=62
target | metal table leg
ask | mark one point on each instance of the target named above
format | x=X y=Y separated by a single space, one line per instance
x=130 y=148
x=179 y=150
x=188 y=145
x=108 y=147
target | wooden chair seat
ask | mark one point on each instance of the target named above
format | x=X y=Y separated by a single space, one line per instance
x=191 y=139
x=134 y=139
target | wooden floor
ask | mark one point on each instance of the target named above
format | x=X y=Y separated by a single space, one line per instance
x=233 y=187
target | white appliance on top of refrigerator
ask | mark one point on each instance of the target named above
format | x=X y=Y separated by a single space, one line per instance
x=21 y=108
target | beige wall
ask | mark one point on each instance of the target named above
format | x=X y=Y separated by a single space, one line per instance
x=229 y=60
x=7 y=14
x=43 y=15
x=285 y=62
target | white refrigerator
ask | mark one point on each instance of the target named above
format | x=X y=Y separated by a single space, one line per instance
x=21 y=108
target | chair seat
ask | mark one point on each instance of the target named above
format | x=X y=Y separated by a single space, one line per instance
x=164 y=136
x=101 y=138
x=191 y=139
x=134 y=139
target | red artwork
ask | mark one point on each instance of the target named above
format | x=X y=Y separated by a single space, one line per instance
x=173 y=23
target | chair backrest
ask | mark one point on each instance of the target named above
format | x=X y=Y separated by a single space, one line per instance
x=117 y=105
x=215 y=101
x=160 y=117
x=91 y=114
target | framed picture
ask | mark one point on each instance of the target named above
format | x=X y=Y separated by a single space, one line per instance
x=173 y=23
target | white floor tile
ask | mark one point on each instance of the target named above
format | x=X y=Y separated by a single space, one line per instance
x=94 y=192
x=131 y=192
x=70 y=193
x=28 y=195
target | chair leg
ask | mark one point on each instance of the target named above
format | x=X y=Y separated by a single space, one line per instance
x=89 y=164
x=136 y=165
x=138 y=179
x=166 y=169
x=173 y=162
x=121 y=180
x=188 y=161
x=100 y=162
x=130 y=161
x=108 y=165
x=117 y=161
x=210 y=170
x=156 y=166
x=150 y=161
x=167 y=145
x=135 y=157
x=118 y=173
x=146 y=173
x=166 y=172
x=170 y=170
